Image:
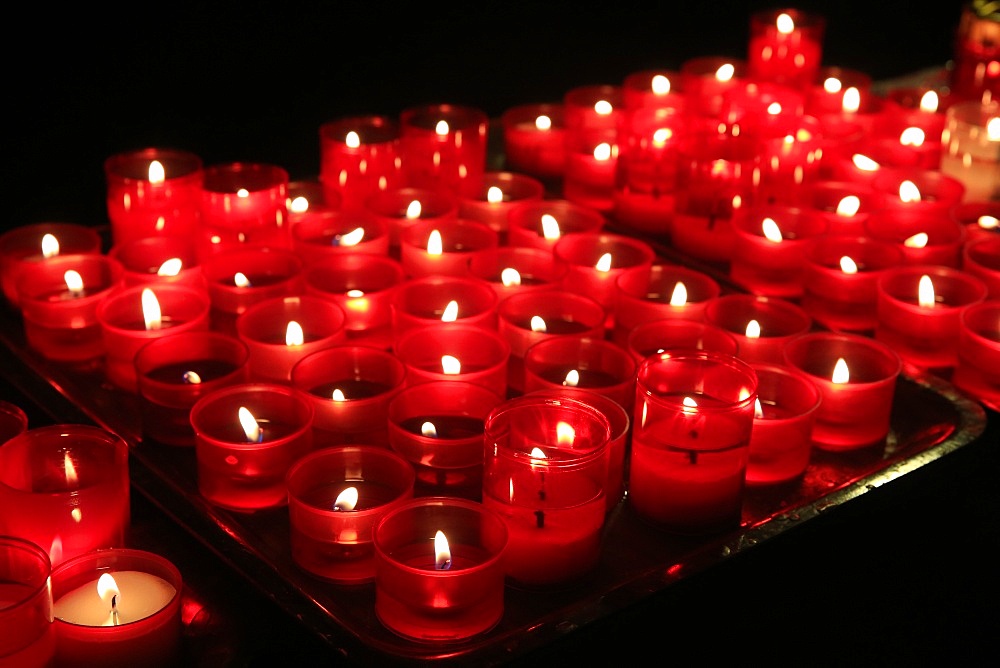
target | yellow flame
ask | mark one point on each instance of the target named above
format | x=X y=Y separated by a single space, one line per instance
x=543 y=123
x=725 y=72
x=450 y=366
x=771 y=230
x=510 y=277
x=849 y=206
x=243 y=193
x=864 y=163
x=550 y=227
x=74 y=282
x=841 y=374
x=565 y=436
x=660 y=85
x=294 y=335
x=352 y=139
x=993 y=129
x=429 y=430
x=604 y=263
x=908 y=191
x=785 y=24
x=848 y=266
x=494 y=195
x=918 y=240
x=988 y=222
x=753 y=330
x=347 y=499
x=50 y=246
x=758 y=412
x=442 y=129
x=689 y=402
x=413 y=210
x=925 y=292
x=249 y=424
x=240 y=280
x=832 y=85
x=852 y=100
x=156 y=173
x=70 y=470
x=442 y=552
x=151 y=315
x=602 y=108
x=572 y=378
x=338 y=395
x=191 y=377
x=170 y=267
x=929 y=102
x=538 y=324
x=679 y=296
x=299 y=204
x=912 y=137
x=107 y=588
x=435 y=246
x=450 y=313
x=602 y=152
x=352 y=238
x=661 y=136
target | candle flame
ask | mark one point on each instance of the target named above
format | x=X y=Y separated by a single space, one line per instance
x=852 y=100
x=413 y=210
x=435 y=246
x=602 y=151
x=510 y=277
x=679 y=296
x=494 y=195
x=689 y=403
x=352 y=238
x=988 y=222
x=543 y=123
x=604 y=263
x=347 y=499
x=929 y=102
x=450 y=312
x=538 y=324
x=660 y=85
x=429 y=430
x=151 y=315
x=156 y=173
x=170 y=267
x=50 y=246
x=848 y=206
x=993 y=129
x=240 y=280
x=725 y=72
x=74 y=282
x=550 y=227
x=243 y=193
x=352 y=139
x=925 y=292
x=107 y=588
x=848 y=266
x=785 y=24
x=299 y=204
x=771 y=230
x=774 y=109
x=832 y=85
x=293 y=334
x=442 y=552
x=908 y=191
x=753 y=330
x=537 y=455
x=864 y=163
x=565 y=435
x=602 y=108
x=249 y=424
x=572 y=378
x=338 y=395
x=191 y=378
x=450 y=366
x=841 y=374
x=918 y=240
x=758 y=412
x=70 y=470
x=441 y=129
x=912 y=137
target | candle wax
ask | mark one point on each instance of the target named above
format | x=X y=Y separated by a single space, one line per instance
x=142 y=595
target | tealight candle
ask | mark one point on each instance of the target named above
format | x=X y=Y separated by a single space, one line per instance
x=655 y=88
x=664 y=291
x=534 y=137
x=927 y=190
x=432 y=301
x=542 y=224
x=786 y=46
x=359 y=157
x=443 y=147
x=25 y=604
x=856 y=376
x=706 y=79
x=593 y=364
x=762 y=326
x=65 y=488
x=658 y=336
x=498 y=194
x=247 y=436
x=690 y=440
x=972 y=76
x=517 y=269
x=845 y=205
x=350 y=387
x=309 y=200
x=591 y=108
x=335 y=496
x=23 y=247
x=455 y=351
x=340 y=233
x=981 y=258
x=13 y=421
x=444 y=248
x=438 y=427
x=158 y=261
x=544 y=472
x=117 y=607
x=439 y=574
x=826 y=92
x=924 y=237
x=591 y=167
x=979 y=218
x=978 y=368
x=280 y=331
x=399 y=208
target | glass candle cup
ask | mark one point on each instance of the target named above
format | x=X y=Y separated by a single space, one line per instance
x=455 y=352
x=240 y=278
x=593 y=364
x=25 y=604
x=23 y=247
x=761 y=325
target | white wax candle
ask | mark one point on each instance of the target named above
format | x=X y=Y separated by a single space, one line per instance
x=141 y=595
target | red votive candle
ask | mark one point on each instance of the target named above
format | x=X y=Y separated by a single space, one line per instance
x=13 y=421
x=308 y=200
x=528 y=318
x=691 y=440
x=978 y=369
x=444 y=248
x=591 y=168
x=153 y=192
x=786 y=46
x=280 y=331
x=514 y=270
x=534 y=137
x=907 y=139
x=238 y=279
x=59 y=312
x=359 y=157
x=918 y=312
x=438 y=427
x=664 y=291
x=457 y=352
x=443 y=147
x=542 y=224
x=762 y=326
x=340 y=233
x=432 y=301
x=839 y=281
x=924 y=237
x=656 y=88
x=544 y=472
x=247 y=436
x=979 y=218
x=158 y=261
x=133 y=617
x=243 y=203
x=781 y=441
x=658 y=336
x=981 y=258
x=593 y=364
x=22 y=247
x=335 y=497
x=65 y=488
x=498 y=194
x=591 y=108
x=132 y=317
x=439 y=574
x=826 y=92
x=705 y=81
x=856 y=395
x=174 y=372
x=917 y=190
x=399 y=208
x=25 y=604
x=350 y=388
x=844 y=204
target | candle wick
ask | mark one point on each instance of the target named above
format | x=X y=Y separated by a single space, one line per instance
x=540 y=519
x=114 y=610
x=444 y=565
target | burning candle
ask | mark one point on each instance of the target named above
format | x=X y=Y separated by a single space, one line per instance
x=827 y=91
x=655 y=88
x=498 y=194
x=432 y=301
x=543 y=224
x=845 y=205
x=544 y=472
x=455 y=351
x=308 y=200
x=786 y=46
x=25 y=604
x=974 y=77
x=917 y=190
x=438 y=427
x=664 y=291
x=159 y=260
x=399 y=208
x=444 y=248
x=443 y=147
x=534 y=137
x=659 y=336
x=339 y=233
x=246 y=437
x=593 y=364
x=981 y=258
x=439 y=569
x=517 y=269
x=978 y=368
x=924 y=237
x=335 y=496
x=65 y=488
x=706 y=79
x=22 y=247
x=761 y=325
x=856 y=376
x=971 y=152
x=979 y=218
x=117 y=607
x=359 y=157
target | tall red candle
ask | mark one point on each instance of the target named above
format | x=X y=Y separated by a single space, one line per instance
x=443 y=147
x=359 y=157
x=340 y=233
x=457 y=352
x=786 y=46
x=534 y=137
x=761 y=325
x=444 y=248
x=542 y=224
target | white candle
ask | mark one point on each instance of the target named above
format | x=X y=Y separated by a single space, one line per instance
x=141 y=595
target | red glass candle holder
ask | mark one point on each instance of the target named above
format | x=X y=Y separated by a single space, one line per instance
x=781 y=441
x=330 y=531
x=240 y=278
x=691 y=440
x=438 y=427
x=126 y=326
x=434 y=596
x=241 y=468
x=791 y=152
x=825 y=93
x=443 y=147
x=26 y=615
x=144 y=624
x=431 y=353
x=980 y=218
x=907 y=138
x=242 y=203
x=544 y=472
x=153 y=192
x=769 y=247
x=840 y=293
x=970 y=150
x=60 y=321
x=924 y=331
x=845 y=205
x=498 y=194
x=591 y=108
x=591 y=170
x=924 y=237
x=705 y=81
x=308 y=200
x=777 y=322
x=350 y=388
x=654 y=88
x=148 y=262
x=340 y=233
x=973 y=76
x=542 y=224
x=13 y=421
x=267 y=328
x=766 y=110
x=424 y=302
x=515 y=270
x=597 y=365
x=981 y=258
x=444 y=248
x=855 y=408
x=528 y=318
x=978 y=368
x=786 y=46
x=359 y=157
x=173 y=373
x=65 y=488
x=399 y=208
x=664 y=291
x=534 y=139
x=659 y=336
x=22 y=247
x=932 y=190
